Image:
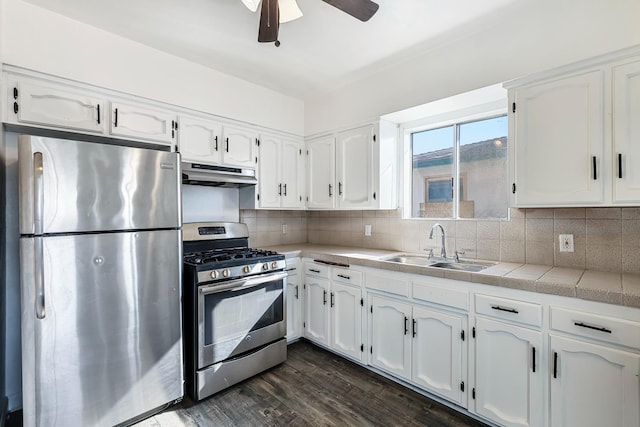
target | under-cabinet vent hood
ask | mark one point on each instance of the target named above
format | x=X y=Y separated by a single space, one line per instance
x=217 y=176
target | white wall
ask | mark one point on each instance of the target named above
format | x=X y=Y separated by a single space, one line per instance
x=41 y=40
x=543 y=34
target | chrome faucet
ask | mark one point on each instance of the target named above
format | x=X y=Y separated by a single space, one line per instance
x=443 y=252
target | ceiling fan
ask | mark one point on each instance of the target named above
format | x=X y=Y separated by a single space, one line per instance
x=274 y=12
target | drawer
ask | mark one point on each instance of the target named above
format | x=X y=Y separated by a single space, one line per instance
x=390 y=284
x=440 y=293
x=346 y=275
x=314 y=269
x=602 y=328
x=509 y=309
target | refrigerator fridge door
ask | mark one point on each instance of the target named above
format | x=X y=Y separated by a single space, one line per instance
x=73 y=186
x=102 y=339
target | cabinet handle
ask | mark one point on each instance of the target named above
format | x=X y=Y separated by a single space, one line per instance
x=314 y=270
x=324 y=297
x=555 y=364
x=507 y=309
x=279 y=189
x=620 y=165
x=406 y=325
x=339 y=189
x=533 y=358
x=413 y=327
x=285 y=189
x=15 y=108
x=344 y=276
x=595 y=328
x=216 y=141
x=290 y=269
x=15 y=93
x=115 y=120
x=98 y=108
x=297 y=292
x=332 y=299
x=595 y=166
x=227 y=148
x=330 y=190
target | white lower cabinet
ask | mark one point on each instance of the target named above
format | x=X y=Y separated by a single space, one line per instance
x=317 y=309
x=293 y=301
x=593 y=385
x=389 y=336
x=508 y=384
x=346 y=320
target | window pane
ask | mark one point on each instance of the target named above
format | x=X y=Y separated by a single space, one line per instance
x=431 y=173
x=483 y=169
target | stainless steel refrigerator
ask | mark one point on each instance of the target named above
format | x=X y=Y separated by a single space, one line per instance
x=101 y=264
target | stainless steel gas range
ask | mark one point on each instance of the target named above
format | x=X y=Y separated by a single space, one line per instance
x=234 y=314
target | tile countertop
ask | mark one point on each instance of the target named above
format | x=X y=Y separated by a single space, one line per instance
x=612 y=288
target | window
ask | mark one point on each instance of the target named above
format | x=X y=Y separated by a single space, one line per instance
x=460 y=170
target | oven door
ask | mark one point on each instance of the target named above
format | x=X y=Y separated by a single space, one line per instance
x=239 y=315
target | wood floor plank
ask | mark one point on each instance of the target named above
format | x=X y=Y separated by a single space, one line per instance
x=313 y=387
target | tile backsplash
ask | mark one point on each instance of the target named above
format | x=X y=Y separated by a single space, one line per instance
x=606 y=239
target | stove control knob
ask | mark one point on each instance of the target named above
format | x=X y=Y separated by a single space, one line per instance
x=225 y=272
x=246 y=269
x=274 y=265
x=265 y=266
x=214 y=274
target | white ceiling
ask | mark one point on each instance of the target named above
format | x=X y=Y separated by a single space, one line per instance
x=322 y=50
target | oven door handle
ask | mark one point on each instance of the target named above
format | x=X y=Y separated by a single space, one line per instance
x=241 y=284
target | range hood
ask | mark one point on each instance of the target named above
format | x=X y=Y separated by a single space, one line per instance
x=217 y=176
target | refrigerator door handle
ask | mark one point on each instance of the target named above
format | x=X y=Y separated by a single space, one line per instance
x=38 y=193
x=39 y=276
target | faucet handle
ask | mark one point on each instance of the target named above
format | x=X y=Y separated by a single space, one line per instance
x=430 y=252
x=457 y=255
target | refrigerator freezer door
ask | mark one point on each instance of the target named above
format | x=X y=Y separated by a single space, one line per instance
x=109 y=345
x=73 y=186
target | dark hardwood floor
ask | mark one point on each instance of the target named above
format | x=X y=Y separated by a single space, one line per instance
x=313 y=388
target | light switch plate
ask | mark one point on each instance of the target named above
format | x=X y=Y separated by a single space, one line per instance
x=566 y=243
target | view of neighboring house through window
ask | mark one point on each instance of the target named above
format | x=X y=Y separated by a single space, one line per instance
x=460 y=171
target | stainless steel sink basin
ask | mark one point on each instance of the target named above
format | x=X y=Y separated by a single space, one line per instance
x=463 y=265
x=409 y=259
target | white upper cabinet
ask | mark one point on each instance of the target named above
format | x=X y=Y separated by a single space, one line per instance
x=354 y=172
x=200 y=140
x=238 y=146
x=558 y=127
x=134 y=121
x=321 y=173
x=626 y=133
x=573 y=134
x=292 y=174
x=280 y=173
x=42 y=104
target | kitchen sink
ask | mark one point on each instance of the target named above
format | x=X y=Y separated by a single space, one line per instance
x=425 y=261
x=409 y=259
x=463 y=265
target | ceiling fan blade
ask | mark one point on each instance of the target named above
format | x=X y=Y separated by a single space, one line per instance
x=252 y=5
x=360 y=9
x=269 y=21
x=289 y=10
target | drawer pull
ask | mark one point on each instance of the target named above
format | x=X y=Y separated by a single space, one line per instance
x=595 y=328
x=290 y=269
x=314 y=270
x=344 y=277
x=507 y=309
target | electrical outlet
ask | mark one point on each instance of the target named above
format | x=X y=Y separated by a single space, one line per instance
x=367 y=230
x=566 y=243
x=284 y=228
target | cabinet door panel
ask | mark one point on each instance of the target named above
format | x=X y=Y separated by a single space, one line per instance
x=346 y=320
x=626 y=132
x=317 y=309
x=200 y=140
x=294 y=307
x=292 y=174
x=238 y=147
x=507 y=389
x=141 y=123
x=559 y=130
x=437 y=352
x=321 y=171
x=390 y=338
x=593 y=385
x=42 y=105
x=355 y=168
x=269 y=180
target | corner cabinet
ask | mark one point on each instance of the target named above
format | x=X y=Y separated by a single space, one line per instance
x=573 y=134
x=354 y=169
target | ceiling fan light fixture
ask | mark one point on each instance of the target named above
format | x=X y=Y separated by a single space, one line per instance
x=289 y=10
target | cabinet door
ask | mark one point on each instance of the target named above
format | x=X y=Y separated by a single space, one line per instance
x=559 y=139
x=131 y=121
x=354 y=160
x=269 y=181
x=390 y=338
x=321 y=172
x=508 y=385
x=238 y=147
x=199 y=140
x=292 y=174
x=437 y=354
x=49 y=106
x=593 y=385
x=346 y=320
x=626 y=133
x=294 y=307
x=317 y=309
